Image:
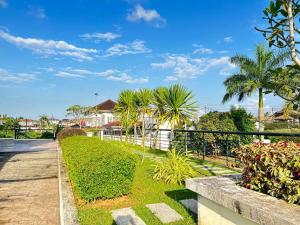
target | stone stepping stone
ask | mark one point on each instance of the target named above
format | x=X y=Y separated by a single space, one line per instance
x=164 y=212
x=190 y=204
x=126 y=216
x=223 y=172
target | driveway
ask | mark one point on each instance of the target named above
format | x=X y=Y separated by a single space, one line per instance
x=28 y=182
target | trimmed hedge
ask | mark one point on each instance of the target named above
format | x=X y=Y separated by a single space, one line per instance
x=98 y=169
x=69 y=132
x=272 y=169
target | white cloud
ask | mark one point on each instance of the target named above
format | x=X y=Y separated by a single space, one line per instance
x=200 y=49
x=68 y=75
x=98 y=37
x=37 y=12
x=124 y=77
x=228 y=39
x=185 y=67
x=109 y=74
x=3 y=3
x=5 y=75
x=147 y=15
x=50 y=47
x=135 y=47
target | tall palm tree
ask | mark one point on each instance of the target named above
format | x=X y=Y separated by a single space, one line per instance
x=254 y=75
x=179 y=106
x=124 y=108
x=142 y=104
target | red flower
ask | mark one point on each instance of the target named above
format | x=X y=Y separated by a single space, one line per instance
x=257 y=158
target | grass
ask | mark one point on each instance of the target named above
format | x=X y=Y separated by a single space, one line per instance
x=144 y=191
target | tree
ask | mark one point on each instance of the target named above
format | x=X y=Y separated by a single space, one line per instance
x=125 y=108
x=254 y=75
x=44 y=121
x=179 y=106
x=286 y=84
x=77 y=112
x=244 y=122
x=158 y=109
x=142 y=103
x=281 y=16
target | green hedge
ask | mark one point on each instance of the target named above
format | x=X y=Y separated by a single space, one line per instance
x=272 y=169
x=69 y=132
x=98 y=169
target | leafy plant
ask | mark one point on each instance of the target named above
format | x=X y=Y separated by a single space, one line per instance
x=272 y=169
x=174 y=169
x=98 y=169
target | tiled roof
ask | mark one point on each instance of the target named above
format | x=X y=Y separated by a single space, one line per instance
x=112 y=124
x=108 y=105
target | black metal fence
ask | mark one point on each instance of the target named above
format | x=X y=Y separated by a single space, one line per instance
x=203 y=143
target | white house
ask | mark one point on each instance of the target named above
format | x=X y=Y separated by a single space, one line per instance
x=104 y=114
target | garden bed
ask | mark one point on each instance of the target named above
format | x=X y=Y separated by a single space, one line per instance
x=144 y=190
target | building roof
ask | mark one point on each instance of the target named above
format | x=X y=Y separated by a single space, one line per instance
x=107 y=105
x=112 y=124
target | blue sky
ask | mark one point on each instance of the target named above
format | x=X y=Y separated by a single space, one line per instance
x=58 y=53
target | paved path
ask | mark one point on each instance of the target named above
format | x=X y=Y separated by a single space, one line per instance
x=28 y=183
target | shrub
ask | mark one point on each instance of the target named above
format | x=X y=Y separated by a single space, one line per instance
x=284 y=138
x=98 y=169
x=217 y=143
x=69 y=132
x=174 y=169
x=272 y=169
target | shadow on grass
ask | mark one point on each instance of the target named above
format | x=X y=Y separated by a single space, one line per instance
x=182 y=194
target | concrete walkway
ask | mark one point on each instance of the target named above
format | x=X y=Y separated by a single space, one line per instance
x=28 y=182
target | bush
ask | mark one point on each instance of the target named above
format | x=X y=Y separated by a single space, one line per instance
x=98 y=169
x=31 y=134
x=280 y=125
x=69 y=132
x=272 y=169
x=174 y=169
x=284 y=138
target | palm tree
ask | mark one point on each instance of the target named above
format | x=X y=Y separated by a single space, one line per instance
x=158 y=108
x=44 y=121
x=179 y=106
x=254 y=75
x=142 y=103
x=124 y=108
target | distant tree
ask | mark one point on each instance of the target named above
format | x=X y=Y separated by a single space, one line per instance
x=44 y=121
x=78 y=112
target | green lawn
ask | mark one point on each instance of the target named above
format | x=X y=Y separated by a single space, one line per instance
x=144 y=191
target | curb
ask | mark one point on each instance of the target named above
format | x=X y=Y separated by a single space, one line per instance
x=68 y=211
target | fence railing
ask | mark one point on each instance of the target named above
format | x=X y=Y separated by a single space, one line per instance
x=204 y=143
x=23 y=133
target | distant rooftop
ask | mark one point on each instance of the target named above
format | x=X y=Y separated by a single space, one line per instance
x=107 y=105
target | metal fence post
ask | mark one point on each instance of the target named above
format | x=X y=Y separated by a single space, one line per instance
x=204 y=147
